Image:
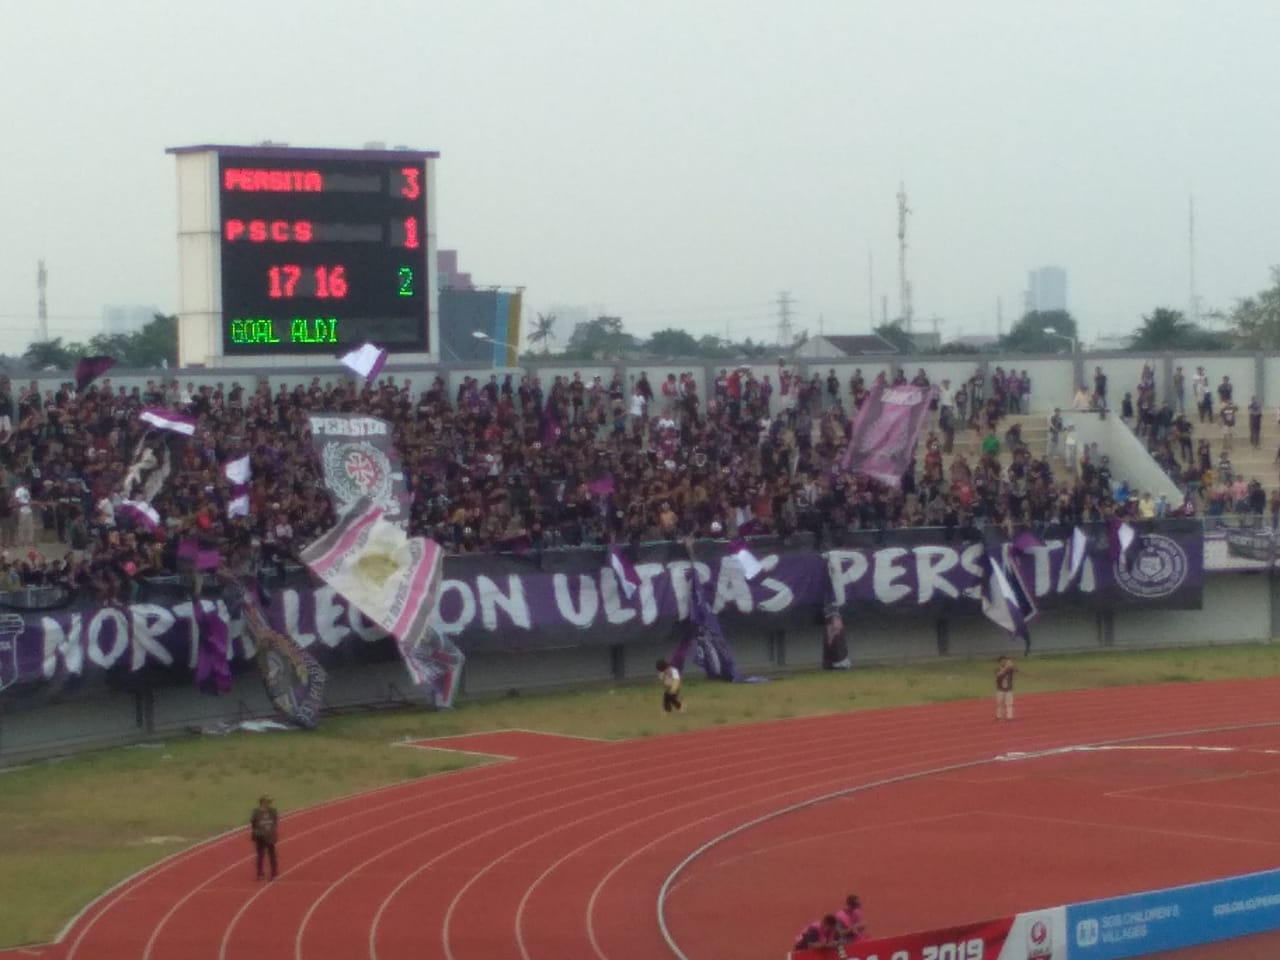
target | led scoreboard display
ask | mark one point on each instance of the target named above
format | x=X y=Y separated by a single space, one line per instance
x=322 y=253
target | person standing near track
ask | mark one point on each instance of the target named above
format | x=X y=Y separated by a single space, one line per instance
x=850 y=918
x=1004 y=687
x=670 y=677
x=264 y=827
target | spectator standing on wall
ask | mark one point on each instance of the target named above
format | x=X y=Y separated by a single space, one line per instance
x=1228 y=414
x=1179 y=390
x=264 y=828
x=1004 y=687
x=1255 y=423
x=1100 y=388
x=1203 y=396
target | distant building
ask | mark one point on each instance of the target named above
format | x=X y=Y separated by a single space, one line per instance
x=448 y=276
x=1046 y=289
x=126 y=319
x=836 y=347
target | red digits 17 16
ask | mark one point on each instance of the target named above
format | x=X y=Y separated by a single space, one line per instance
x=322 y=282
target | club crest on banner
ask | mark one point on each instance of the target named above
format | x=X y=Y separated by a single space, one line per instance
x=1158 y=570
x=11 y=627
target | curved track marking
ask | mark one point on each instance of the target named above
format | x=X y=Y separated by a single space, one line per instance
x=784 y=811
x=890 y=746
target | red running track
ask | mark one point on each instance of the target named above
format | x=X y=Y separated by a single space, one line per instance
x=568 y=849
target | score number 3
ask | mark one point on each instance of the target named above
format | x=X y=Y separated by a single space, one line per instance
x=411 y=186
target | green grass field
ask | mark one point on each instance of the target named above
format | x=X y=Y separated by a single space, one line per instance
x=78 y=825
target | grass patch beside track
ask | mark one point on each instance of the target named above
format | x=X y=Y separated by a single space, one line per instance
x=74 y=827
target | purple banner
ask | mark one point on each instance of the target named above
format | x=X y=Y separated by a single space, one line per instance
x=573 y=598
x=886 y=430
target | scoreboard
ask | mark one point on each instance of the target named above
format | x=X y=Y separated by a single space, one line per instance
x=316 y=251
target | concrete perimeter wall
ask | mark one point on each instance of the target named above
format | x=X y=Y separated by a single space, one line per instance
x=1237 y=608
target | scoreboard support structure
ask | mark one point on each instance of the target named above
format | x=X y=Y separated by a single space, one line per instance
x=300 y=254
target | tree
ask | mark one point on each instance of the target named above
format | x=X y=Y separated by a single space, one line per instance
x=1165 y=329
x=673 y=343
x=155 y=345
x=1028 y=334
x=599 y=339
x=1255 y=321
x=543 y=331
x=43 y=354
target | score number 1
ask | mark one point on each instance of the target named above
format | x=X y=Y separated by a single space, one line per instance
x=321 y=282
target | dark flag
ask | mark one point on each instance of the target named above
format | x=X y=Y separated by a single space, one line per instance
x=293 y=678
x=90 y=369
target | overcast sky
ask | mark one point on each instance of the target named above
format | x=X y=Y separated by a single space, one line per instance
x=677 y=163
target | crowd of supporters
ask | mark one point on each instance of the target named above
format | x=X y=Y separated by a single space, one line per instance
x=507 y=462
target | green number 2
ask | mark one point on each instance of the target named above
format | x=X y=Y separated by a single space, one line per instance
x=406 y=281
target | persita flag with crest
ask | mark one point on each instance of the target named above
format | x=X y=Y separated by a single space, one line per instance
x=359 y=461
x=392 y=579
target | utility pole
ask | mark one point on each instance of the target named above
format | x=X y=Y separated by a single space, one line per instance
x=42 y=305
x=871 y=290
x=1194 y=303
x=784 y=318
x=904 y=285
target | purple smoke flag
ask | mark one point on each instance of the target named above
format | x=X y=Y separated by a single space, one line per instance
x=90 y=369
x=367 y=361
x=710 y=648
x=164 y=419
x=1025 y=541
x=141 y=513
x=204 y=559
x=238 y=473
x=601 y=486
x=751 y=567
x=628 y=579
x=213 y=669
x=885 y=432
x=550 y=427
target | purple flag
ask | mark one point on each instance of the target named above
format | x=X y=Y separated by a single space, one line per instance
x=710 y=648
x=886 y=430
x=359 y=460
x=213 y=670
x=90 y=369
x=205 y=559
x=164 y=419
x=601 y=486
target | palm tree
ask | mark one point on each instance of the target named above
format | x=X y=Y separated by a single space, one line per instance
x=543 y=331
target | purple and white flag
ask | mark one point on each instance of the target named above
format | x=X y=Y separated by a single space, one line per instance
x=164 y=419
x=434 y=663
x=238 y=473
x=751 y=567
x=141 y=513
x=367 y=361
x=204 y=559
x=628 y=579
x=1076 y=553
x=886 y=430
x=1006 y=602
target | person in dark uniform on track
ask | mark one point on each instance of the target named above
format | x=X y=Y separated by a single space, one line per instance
x=264 y=827
x=1004 y=688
